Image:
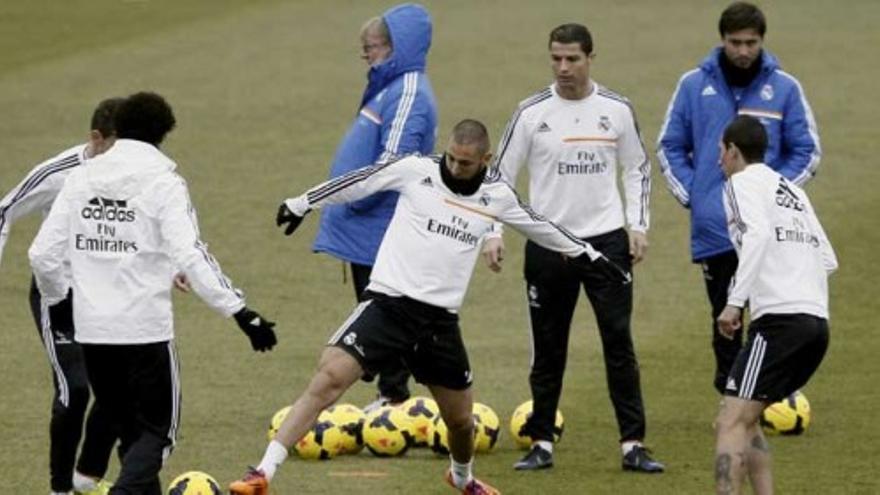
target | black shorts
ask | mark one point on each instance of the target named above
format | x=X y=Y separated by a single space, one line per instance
x=781 y=354
x=384 y=331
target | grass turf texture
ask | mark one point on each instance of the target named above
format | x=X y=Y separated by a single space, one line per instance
x=264 y=90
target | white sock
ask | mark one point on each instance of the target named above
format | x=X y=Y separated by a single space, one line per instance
x=274 y=457
x=628 y=445
x=462 y=473
x=83 y=483
x=60 y=493
x=544 y=444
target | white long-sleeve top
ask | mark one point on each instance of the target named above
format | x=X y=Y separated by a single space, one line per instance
x=784 y=255
x=37 y=191
x=126 y=225
x=573 y=150
x=433 y=241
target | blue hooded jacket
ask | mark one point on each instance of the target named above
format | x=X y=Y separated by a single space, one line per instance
x=398 y=116
x=687 y=148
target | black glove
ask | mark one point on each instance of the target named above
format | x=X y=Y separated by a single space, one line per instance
x=609 y=269
x=61 y=317
x=285 y=216
x=257 y=328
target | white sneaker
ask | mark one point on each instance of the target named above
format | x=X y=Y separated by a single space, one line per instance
x=380 y=401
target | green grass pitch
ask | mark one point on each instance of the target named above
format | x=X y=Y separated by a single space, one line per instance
x=263 y=91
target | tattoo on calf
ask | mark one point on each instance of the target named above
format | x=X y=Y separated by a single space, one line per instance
x=723 y=481
x=760 y=443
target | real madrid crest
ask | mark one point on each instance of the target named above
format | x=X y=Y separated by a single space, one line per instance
x=604 y=123
x=767 y=92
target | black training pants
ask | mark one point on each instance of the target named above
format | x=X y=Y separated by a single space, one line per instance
x=69 y=404
x=552 y=286
x=718 y=271
x=139 y=386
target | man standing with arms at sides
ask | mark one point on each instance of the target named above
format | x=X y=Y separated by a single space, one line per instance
x=397 y=116
x=737 y=78
x=447 y=205
x=574 y=136
x=35 y=193
x=784 y=262
x=125 y=226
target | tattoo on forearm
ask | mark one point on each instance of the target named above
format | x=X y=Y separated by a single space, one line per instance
x=723 y=482
x=760 y=443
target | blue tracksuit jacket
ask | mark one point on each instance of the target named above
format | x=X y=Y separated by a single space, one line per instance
x=398 y=116
x=701 y=108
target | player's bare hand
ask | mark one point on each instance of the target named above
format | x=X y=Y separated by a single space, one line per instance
x=493 y=253
x=181 y=283
x=638 y=245
x=729 y=321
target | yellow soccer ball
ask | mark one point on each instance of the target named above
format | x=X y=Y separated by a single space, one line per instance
x=790 y=416
x=487 y=427
x=194 y=483
x=518 y=422
x=437 y=435
x=421 y=411
x=387 y=432
x=350 y=420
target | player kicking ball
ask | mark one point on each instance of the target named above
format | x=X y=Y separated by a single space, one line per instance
x=447 y=207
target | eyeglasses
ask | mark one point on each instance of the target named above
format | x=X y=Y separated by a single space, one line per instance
x=369 y=47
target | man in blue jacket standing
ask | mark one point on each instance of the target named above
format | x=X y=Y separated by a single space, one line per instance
x=737 y=78
x=397 y=116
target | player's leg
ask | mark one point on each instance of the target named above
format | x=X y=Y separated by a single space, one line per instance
x=612 y=304
x=153 y=381
x=758 y=461
x=735 y=421
x=392 y=383
x=552 y=291
x=94 y=457
x=717 y=273
x=71 y=396
x=356 y=350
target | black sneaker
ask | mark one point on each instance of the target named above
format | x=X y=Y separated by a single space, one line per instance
x=537 y=458
x=639 y=459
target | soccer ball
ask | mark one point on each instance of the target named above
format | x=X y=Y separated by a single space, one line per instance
x=324 y=441
x=350 y=420
x=790 y=416
x=421 y=411
x=438 y=436
x=486 y=428
x=518 y=422
x=387 y=432
x=194 y=483
x=275 y=424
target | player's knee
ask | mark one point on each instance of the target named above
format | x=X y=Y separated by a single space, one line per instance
x=459 y=420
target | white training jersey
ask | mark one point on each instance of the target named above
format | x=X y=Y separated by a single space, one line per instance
x=573 y=149
x=125 y=224
x=434 y=238
x=37 y=191
x=784 y=254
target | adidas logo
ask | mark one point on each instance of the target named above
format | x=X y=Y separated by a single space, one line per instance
x=427 y=182
x=731 y=385
x=108 y=202
x=709 y=91
x=786 y=198
x=544 y=127
x=109 y=210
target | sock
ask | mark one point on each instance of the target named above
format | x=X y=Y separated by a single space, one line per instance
x=274 y=456
x=60 y=493
x=83 y=483
x=628 y=445
x=462 y=473
x=544 y=444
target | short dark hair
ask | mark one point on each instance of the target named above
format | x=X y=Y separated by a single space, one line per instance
x=749 y=135
x=470 y=131
x=742 y=15
x=572 y=33
x=144 y=116
x=102 y=117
